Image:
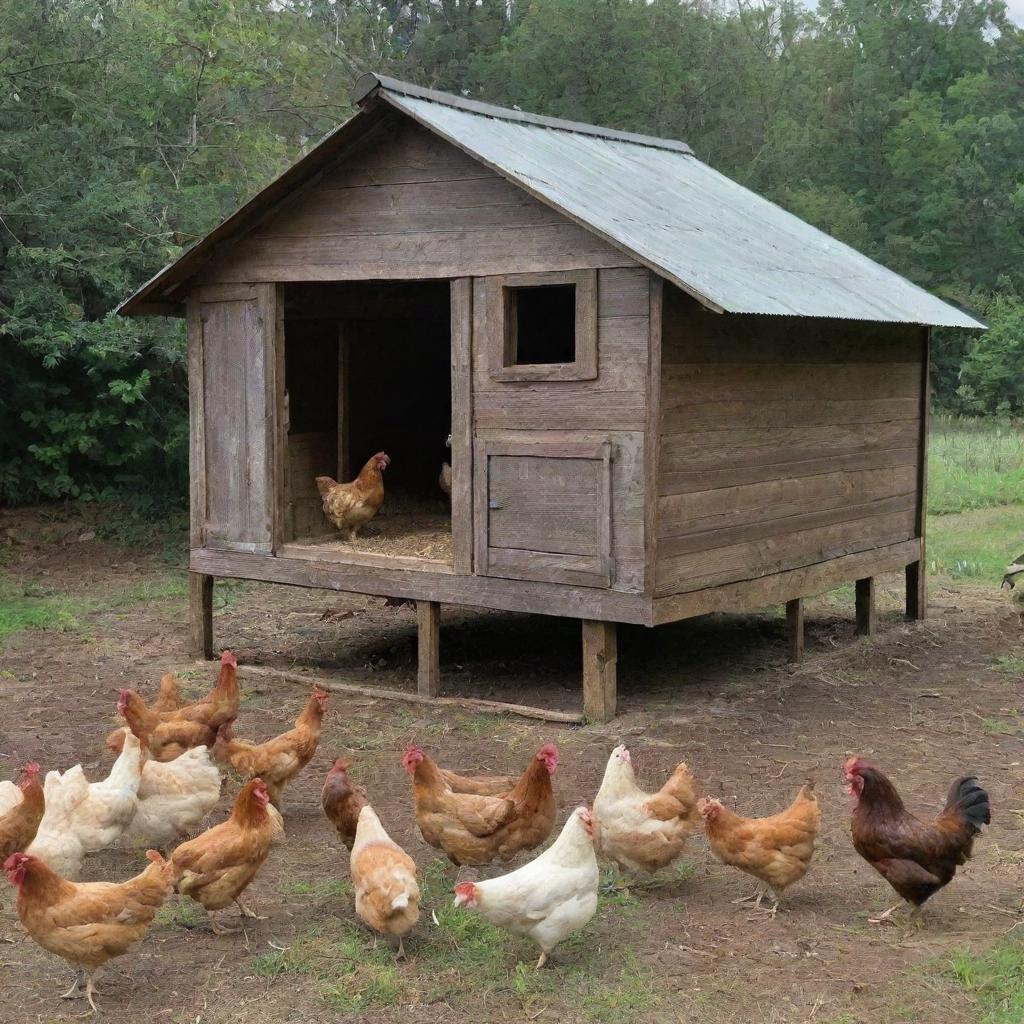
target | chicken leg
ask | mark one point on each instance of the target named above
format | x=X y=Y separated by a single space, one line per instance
x=886 y=916
x=215 y=926
x=74 y=992
x=400 y=955
x=90 y=990
x=249 y=912
x=542 y=960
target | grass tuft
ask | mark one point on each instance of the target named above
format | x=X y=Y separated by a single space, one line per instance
x=994 y=980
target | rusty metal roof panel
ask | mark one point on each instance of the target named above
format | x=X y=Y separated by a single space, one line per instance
x=729 y=247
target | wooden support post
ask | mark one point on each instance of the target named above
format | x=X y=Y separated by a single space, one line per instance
x=200 y=615
x=600 y=656
x=865 y=602
x=795 y=630
x=917 y=600
x=428 y=660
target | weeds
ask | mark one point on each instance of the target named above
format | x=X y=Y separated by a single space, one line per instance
x=994 y=980
x=974 y=464
x=26 y=606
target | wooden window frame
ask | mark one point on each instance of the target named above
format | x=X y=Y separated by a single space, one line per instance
x=502 y=324
x=537 y=566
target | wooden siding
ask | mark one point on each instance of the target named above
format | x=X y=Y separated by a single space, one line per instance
x=404 y=203
x=612 y=409
x=232 y=367
x=782 y=443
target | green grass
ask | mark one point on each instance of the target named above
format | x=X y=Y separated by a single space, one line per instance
x=182 y=913
x=994 y=980
x=1011 y=664
x=25 y=606
x=974 y=464
x=975 y=545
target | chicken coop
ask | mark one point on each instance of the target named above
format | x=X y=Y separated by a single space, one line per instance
x=665 y=395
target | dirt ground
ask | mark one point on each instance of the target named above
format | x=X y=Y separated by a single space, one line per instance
x=925 y=701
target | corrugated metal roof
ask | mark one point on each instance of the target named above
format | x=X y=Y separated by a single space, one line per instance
x=730 y=248
x=726 y=245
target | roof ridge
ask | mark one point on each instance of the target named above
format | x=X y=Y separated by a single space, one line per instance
x=369 y=84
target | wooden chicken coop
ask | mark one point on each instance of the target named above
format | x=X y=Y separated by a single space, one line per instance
x=666 y=396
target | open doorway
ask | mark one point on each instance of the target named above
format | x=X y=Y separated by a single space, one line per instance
x=368 y=369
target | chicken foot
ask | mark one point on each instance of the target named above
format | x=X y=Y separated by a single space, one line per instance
x=542 y=960
x=757 y=897
x=75 y=991
x=886 y=916
x=216 y=927
x=249 y=912
x=91 y=990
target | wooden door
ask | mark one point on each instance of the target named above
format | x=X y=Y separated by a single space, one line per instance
x=232 y=391
x=544 y=511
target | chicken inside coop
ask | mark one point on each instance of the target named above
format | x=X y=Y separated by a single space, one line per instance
x=368 y=370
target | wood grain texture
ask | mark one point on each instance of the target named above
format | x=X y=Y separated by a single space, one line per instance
x=200 y=615
x=653 y=450
x=405 y=204
x=428 y=648
x=864 y=596
x=806 y=581
x=917 y=582
x=600 y=662
x=783 y=442
x=795 y=630
x=421 y=583
x=462 y=424
x=196 y=424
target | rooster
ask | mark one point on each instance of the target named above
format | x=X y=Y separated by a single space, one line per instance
x=777 y=850
x=21 y=810
x=643 y=831
x=215 y=868
x=477 y=829
x=280 y=759
x=86 y=924
x=549 y=898
x=384 y=879
x=916 y=858
x=351 y=506
x=343 y=800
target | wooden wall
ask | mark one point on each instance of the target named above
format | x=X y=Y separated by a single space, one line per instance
x=783 y=442
x=612 y=408
x=404 y=203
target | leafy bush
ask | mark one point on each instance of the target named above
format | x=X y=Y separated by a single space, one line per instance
x=992 y=375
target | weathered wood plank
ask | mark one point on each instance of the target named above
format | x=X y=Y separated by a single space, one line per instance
x=653 y=450
x=676 y=418
x=917 y=588
x=688 y=383
x=761 y=529
x=726 y=506
x=600 y=658
x=795 y=630
x=718 y=565
x=200 y=615
x=462 y=424
x=430 y=584
x=865 y=605
x=428 y=648
x=196 y=425
x=624 y=293
x=773 y=589
x=332 y=685
x=576 y=409
x=917 y=591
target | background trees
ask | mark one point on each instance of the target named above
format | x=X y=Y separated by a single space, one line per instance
x=128 y=128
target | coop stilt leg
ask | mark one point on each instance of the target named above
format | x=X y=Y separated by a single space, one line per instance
x=795 y=630
x=865 y=602
x=917 y=602
x=600 y=657
x=200 y=610
x=428 y=664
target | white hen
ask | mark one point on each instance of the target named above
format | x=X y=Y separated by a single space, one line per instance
x=85 y=817
x=174 y=797
x=10 y=796
x=643 y=831
x=549 y=898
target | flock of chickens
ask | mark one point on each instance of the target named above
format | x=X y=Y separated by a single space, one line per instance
x=165 y=781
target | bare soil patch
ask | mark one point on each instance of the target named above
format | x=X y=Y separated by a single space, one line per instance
x=926 y=701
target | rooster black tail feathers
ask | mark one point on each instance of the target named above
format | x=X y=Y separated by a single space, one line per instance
x=968 y=799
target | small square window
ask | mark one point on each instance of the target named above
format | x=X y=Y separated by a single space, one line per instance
x=541 y=324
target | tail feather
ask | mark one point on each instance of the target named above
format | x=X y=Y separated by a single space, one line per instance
x=967 y=800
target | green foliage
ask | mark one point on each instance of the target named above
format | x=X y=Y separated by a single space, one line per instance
x=994 y=980
x=974 y=464
x=131 y=128
x=24 y=606
x=975 y=545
